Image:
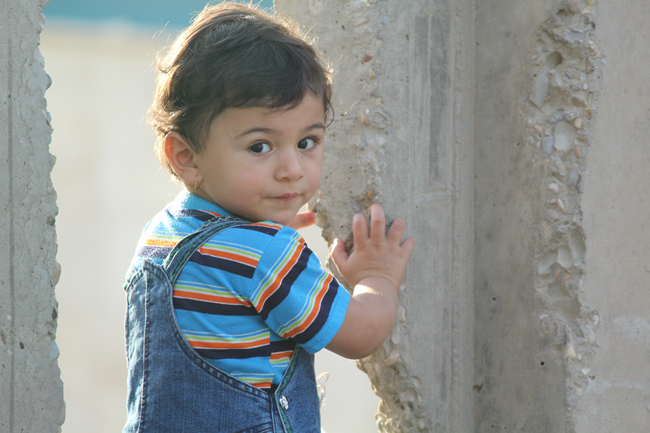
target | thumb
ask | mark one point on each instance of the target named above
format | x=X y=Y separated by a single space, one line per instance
x=302 y=220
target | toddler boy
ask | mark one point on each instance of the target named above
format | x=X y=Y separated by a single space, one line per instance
x=226 y=303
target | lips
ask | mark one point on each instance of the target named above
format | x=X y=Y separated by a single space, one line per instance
x=288 y=196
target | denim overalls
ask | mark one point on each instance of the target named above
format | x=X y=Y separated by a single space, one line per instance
x=172 y=389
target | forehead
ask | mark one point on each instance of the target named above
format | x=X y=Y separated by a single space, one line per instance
x=308 y=113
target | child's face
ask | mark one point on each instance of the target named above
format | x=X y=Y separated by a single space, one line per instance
x=261 y=164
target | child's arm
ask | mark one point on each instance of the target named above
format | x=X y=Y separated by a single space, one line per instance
x=375 y=269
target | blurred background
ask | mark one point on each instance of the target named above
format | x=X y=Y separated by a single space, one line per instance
x=100 y=56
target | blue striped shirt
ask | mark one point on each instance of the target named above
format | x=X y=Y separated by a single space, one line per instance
x=248 y=295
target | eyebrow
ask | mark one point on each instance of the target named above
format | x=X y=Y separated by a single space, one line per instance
x=318 y=125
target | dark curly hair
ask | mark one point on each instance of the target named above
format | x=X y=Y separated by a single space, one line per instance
x=233 y=56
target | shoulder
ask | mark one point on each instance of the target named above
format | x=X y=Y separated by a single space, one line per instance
x=247 y=246
x=261 y=235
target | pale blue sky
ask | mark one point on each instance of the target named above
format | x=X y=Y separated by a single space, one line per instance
x=172 y=14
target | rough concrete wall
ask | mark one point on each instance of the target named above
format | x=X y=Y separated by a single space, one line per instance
x=532 y=219
x=616 y=385
x=31 y=393
x=402 y=136
x=537 y=92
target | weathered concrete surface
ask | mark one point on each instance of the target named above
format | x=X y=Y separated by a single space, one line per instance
x=31 y=392
x=616 y=207
x=402 y=136
x=535 y=105
x=511 y=136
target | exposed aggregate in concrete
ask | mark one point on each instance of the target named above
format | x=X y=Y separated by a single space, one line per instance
x=567 y=69
x=364 y=119
x=367 y=119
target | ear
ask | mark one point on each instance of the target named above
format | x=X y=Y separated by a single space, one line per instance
x=181 y=157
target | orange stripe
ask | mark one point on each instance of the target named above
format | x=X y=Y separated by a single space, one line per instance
x=179 y=293
x=237 y=345
x=160 y=243
x=261 y=384
x=212 y=213
x=280 y=355
x=314 y=312
x=273 y=287
x=227 y=255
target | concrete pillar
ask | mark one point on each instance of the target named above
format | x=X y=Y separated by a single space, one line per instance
x=31 y=392
x=512 y=136
x=403 y=136
x=529 y=236
x=616 y=207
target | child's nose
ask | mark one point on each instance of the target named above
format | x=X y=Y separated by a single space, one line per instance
x=289 y=167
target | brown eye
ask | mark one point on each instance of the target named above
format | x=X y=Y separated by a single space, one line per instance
x=260 y=147
x=306 y=143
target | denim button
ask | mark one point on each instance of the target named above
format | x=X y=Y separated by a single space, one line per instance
x=284 y=402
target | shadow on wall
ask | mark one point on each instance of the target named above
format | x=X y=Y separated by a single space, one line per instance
x=108 y=186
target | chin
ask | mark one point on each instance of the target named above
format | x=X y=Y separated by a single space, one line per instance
x=278 y=216
x=283 y=219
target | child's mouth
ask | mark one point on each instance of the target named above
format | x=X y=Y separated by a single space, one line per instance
x=287 y=197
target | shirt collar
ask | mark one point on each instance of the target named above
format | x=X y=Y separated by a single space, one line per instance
x=188 y=200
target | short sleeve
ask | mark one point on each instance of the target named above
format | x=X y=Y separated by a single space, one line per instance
x=295 y=297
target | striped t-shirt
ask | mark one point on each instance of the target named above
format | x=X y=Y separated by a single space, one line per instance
x=249 y=294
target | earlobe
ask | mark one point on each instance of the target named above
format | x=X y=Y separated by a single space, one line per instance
x=181 y=158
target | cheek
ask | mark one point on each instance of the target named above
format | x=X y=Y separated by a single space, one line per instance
x=236 y=179
x=252 y=177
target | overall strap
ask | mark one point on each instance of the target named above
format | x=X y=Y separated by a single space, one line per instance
x=182 y=252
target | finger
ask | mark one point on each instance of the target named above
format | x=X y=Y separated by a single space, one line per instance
x=339 y=254
x=396 y=231
x=359 y=230
x=377 y=223
x=302 y=220
x=407 y=246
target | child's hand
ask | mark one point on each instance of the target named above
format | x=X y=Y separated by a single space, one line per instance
x=375 y=270
x=302 y=220
x=375 y=255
